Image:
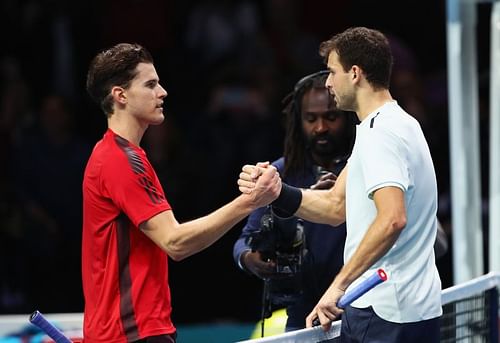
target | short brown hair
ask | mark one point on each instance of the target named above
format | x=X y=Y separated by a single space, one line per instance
x=115 y=66
x=367 y=48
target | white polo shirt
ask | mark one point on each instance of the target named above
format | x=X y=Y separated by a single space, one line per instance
x=390 y=150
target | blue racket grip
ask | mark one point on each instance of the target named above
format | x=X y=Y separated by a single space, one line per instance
x=378 y=277
x=39 y=320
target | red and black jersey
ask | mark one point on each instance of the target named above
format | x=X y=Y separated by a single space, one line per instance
x=125 y=274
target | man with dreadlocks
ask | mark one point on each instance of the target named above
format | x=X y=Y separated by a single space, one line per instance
x=319 y=139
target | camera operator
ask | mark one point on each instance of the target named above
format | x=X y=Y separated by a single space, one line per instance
x=318 y=141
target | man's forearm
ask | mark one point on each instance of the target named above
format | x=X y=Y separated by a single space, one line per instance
x=203 y=232
x=377 y=241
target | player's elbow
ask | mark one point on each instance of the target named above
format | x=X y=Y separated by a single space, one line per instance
x=176 y=254
x=398 y=222
x=175 y=250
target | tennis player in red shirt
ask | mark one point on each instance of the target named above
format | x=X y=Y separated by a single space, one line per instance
x=128 y=225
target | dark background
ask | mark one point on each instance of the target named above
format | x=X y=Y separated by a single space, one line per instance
x=226 y=66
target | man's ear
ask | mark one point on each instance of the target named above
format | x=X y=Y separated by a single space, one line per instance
x=356 y=72
x=118 y=94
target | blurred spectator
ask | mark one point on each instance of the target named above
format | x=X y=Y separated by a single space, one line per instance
x=15 y=115
x=173 y=159
x=296 y=50
x=15 y=106
x=13 y=261
x=217 y=28
x=48 y=167
x=325 y=17
x=239 y=129
x=406 y=83
x=151 y=23
x=224 y=34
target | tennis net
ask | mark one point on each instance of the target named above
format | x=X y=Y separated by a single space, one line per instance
x=470 y=314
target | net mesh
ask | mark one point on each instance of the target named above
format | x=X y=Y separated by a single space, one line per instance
x=470 y=314
x=468 y=320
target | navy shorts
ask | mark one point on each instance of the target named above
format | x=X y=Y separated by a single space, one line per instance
x=363 y=325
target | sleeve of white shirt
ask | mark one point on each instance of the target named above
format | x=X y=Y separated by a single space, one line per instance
x=384 y=160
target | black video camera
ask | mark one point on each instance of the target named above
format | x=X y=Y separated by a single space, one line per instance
x=281 y=240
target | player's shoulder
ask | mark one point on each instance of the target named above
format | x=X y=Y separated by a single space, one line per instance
x=394 y=115
x=391 y=120
x=107 y=152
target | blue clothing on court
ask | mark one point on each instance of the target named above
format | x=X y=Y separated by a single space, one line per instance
x=364 y=325
x=324 y=244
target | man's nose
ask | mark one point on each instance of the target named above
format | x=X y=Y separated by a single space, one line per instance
x=329 y=81
x=320 y=126
x=163 y=92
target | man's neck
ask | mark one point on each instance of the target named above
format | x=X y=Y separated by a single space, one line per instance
x=126 y=127
x=369 y=101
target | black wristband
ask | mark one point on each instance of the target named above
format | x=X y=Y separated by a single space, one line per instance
x=288 y=202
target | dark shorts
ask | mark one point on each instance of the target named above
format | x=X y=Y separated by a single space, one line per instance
x=363 y=325
x=170 y=338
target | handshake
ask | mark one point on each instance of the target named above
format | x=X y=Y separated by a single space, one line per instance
x=262 y=183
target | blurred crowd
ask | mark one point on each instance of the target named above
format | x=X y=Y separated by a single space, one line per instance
x=226 y=66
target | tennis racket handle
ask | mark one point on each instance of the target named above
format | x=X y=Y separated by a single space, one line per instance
x=345 y=300
x=39 y=320
x=378 y=277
